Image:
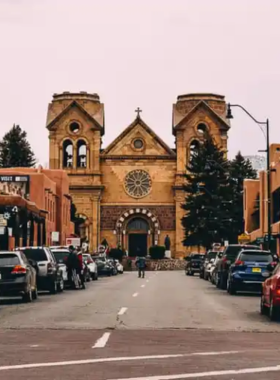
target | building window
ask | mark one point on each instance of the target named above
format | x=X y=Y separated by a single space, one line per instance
x=67 y=154
x=138 y=144
x=194 y=147
x=138 y=183
x=74 y=127
x=81 y=154
x=201 y=128
x=138 y=224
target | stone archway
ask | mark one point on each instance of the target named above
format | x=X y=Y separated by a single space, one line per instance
x=137 y=213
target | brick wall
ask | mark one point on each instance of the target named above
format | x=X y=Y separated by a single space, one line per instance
x=165 y=214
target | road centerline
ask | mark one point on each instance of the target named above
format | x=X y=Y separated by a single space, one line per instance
x=142 y=286
x=101 y=342
x=122 y=311
x=135 y=295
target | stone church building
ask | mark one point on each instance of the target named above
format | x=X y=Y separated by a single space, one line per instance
x=130 y=192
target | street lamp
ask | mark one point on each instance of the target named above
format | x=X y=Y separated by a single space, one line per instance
x=266 y=123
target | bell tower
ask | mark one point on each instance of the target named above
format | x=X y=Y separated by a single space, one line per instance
x=75 y=122
x=193 y=116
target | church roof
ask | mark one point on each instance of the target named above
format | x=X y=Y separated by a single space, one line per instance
x=204 y=104
x=136 y=122
x=74 y=104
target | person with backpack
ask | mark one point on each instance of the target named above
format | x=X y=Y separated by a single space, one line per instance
x=141 y=265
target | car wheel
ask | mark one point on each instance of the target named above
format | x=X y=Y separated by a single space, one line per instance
x=35 y=293
x=60 y=286
x=94 y=276
x=205 y=276
x=27 y=296
x=223 y=284
x=273 y=312
x=53 y=287
x=263 y=308
x=201 y=274
x=191 y=273
x=230 y=287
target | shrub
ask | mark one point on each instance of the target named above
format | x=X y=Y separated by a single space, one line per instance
x=116 y=253
x=157 y=252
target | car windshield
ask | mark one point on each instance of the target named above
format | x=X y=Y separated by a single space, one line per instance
x=36 y=254
x=232 y=251
x=257 y=257
x=211 y=255
x=9 y=259
x=60 y=256
x=197 y=257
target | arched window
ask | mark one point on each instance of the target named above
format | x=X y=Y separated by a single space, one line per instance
x=81 y=154
x=201 y=129
x=74 y=127
x=194 y=147
x=67 y=154
x=138 y=224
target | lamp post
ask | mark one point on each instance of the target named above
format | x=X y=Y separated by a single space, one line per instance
x=266 y=123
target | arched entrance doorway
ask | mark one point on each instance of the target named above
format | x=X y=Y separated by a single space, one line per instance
x=141 y=218
x=137 y=231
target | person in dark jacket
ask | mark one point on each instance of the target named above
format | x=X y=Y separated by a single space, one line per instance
x=141 y=264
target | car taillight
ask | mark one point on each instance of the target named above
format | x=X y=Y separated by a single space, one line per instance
x=18 y=269
x=239 y=262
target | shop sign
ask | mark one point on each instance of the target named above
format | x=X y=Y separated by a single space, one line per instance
x=55 y=237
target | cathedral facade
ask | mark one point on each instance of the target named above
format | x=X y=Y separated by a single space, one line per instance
x=130 y=193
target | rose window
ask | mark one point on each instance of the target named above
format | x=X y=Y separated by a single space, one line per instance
x=138 y=183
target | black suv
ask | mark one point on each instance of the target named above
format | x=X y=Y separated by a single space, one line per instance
x=194 y=261
x=229 y=256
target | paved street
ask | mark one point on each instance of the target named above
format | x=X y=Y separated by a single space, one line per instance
x=167 y=326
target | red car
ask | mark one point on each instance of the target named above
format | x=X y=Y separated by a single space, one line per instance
x=270 y=300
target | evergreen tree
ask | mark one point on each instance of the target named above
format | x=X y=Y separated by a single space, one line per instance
x=15 y=150
x=240 y=169
x=207 y=202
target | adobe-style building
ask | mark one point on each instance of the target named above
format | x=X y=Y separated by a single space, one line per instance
x=130 y=193
x=256 y=205
x=34 y=203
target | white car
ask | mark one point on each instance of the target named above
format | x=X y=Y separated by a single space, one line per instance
x=61 y=256
x=91 y=266
x=119 y=266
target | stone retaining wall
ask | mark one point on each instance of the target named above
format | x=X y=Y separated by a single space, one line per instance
x=159 y=265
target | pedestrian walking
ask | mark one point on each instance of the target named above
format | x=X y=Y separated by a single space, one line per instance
x=141 y=264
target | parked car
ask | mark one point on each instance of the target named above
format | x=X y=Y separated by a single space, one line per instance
x=119 y=267
x=249 y=271
x=205 y=264
x=113 y=264
x=194 y=261
x=230 y=254
x=92 y=266
x=270 y=299
x=61 y=256
x=103 y=266
x=213 y=267
x=49 y=275
x=17 y=276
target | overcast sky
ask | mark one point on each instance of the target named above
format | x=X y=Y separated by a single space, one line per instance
x=140 y=53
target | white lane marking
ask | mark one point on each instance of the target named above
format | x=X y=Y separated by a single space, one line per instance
x=142 y=286
x=206 y=374
x=122 y=311
x=135 y=295
x=101 y=342
x=34 y=345
x=147 y=280
x=116 y=359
